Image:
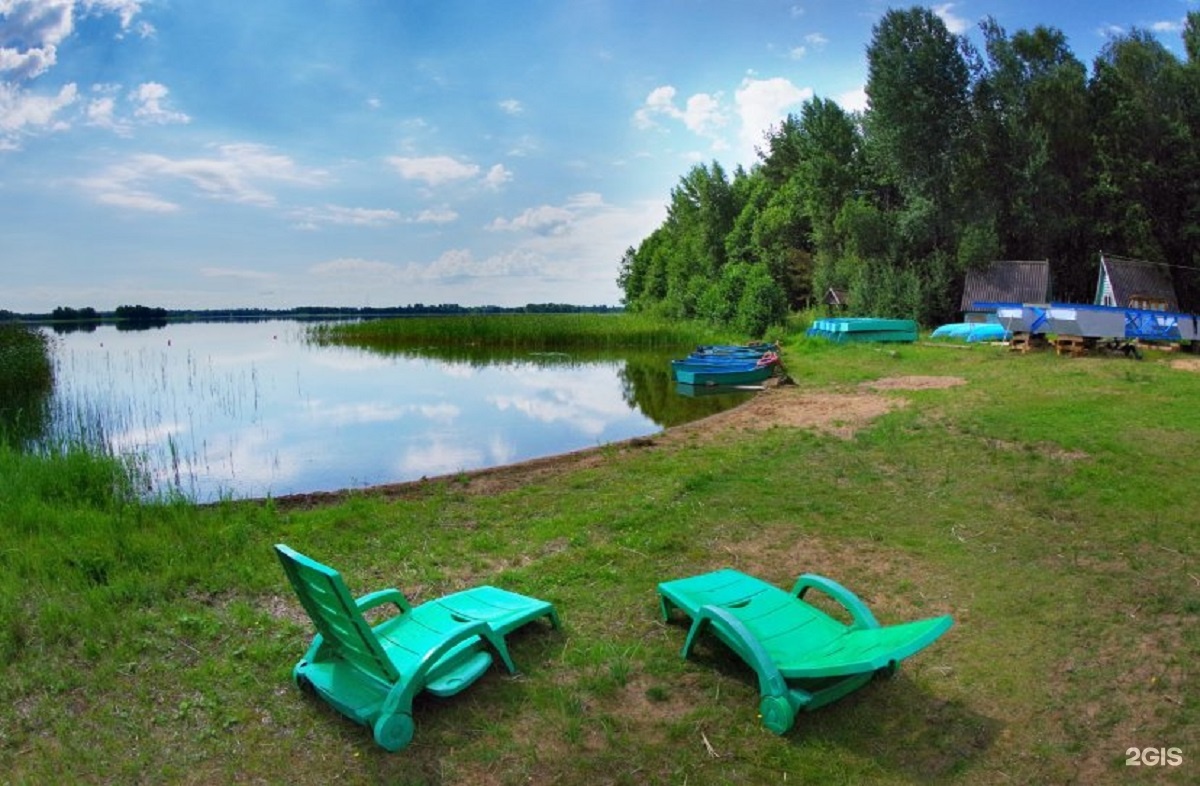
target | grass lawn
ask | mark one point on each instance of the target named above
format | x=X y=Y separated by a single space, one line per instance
x=1048 y=504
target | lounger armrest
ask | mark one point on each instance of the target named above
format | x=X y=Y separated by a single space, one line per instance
x=742 y=641
x=401 y=697
x=862 y=616
x=380 y=597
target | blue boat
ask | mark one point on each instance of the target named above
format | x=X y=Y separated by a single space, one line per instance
x=714 y=370
x=734 y=350
x=972 y=332
x=717 y=375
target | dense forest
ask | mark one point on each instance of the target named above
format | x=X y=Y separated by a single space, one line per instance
x=962 y=157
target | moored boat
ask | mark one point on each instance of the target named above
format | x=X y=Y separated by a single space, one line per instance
x=717 y=375
x=724 y=370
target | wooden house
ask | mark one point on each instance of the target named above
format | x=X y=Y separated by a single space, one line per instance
x=835 y=300
x=1004 y=283
x=1134 y=283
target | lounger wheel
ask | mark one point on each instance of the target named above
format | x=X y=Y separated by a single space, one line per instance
x=777 y=714
x=393 y=732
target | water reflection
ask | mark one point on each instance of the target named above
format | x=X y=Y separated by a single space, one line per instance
x=253 y=409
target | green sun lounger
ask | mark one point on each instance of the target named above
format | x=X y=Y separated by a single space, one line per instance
x=803 y=657
x=371 y=674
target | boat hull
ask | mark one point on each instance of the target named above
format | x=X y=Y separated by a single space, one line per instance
x=716 y=375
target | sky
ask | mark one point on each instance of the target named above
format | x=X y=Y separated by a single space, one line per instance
x=283 y=153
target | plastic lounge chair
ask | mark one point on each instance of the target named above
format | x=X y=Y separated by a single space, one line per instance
x=371 y=674
x=803 y=657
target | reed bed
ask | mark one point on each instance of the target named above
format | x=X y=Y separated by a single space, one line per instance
x=528 y=332
x=26 y=378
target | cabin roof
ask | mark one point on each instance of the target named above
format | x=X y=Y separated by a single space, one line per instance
x=835 y=297
x=1131 y=278
x=1015 y=281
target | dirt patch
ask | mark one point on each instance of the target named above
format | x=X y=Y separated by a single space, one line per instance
x=914 y=383
x=1186 y=364
x=838 y=413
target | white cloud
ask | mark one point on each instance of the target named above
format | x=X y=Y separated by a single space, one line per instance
x=39 y=24
x=125 y=9
x=954 y=23
x=797 y=52
x=149 y=97
x=497 y=176
x=853 y=100
x=1169 y=26
x=433 y=170
x=512 y=106
x=701 y=114
x=459 y=263
x=545 y=219
x=33 y=31
x=443 y=215
x=587 y=199
x=21 y=110
x=816 y=39
x=236 y=174
x=349 y=216
x=99 y=112
x=761 y=103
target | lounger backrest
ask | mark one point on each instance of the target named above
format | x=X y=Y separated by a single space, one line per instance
x=332 y=609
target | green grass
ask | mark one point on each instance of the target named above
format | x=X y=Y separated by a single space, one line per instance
x=1048 y=504
x=547 y=332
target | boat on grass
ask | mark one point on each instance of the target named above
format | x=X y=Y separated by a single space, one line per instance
x=972 y=332
x=847 y=330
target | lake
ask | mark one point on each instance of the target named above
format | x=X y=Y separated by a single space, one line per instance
x=215 y=410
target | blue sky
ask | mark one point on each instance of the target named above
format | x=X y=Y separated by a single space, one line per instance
x=386 y=152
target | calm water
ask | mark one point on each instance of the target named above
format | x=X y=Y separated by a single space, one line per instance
x=250 y=409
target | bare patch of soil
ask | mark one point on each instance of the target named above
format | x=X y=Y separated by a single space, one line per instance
x=914 y=383
x=1186 y=364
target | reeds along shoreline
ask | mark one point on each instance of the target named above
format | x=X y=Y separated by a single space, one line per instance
x=24 y=360
x=26 y=381
x=527 y=331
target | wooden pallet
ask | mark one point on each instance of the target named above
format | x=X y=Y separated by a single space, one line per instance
x=1074 y=346
x=1026 y=342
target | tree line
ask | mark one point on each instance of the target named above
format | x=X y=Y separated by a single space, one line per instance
x=154 y=314
x=962 y=157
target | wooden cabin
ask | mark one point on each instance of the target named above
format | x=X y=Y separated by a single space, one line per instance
x=836 y=300
x=1135 y=283
x=1004 y=283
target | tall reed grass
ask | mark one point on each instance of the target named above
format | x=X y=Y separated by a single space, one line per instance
x=26 y=379
x=528 y=332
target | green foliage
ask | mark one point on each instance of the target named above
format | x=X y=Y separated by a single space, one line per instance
x=26 y=379
x=962 y=158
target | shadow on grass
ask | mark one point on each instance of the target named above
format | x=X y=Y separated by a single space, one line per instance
x=892 y=720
